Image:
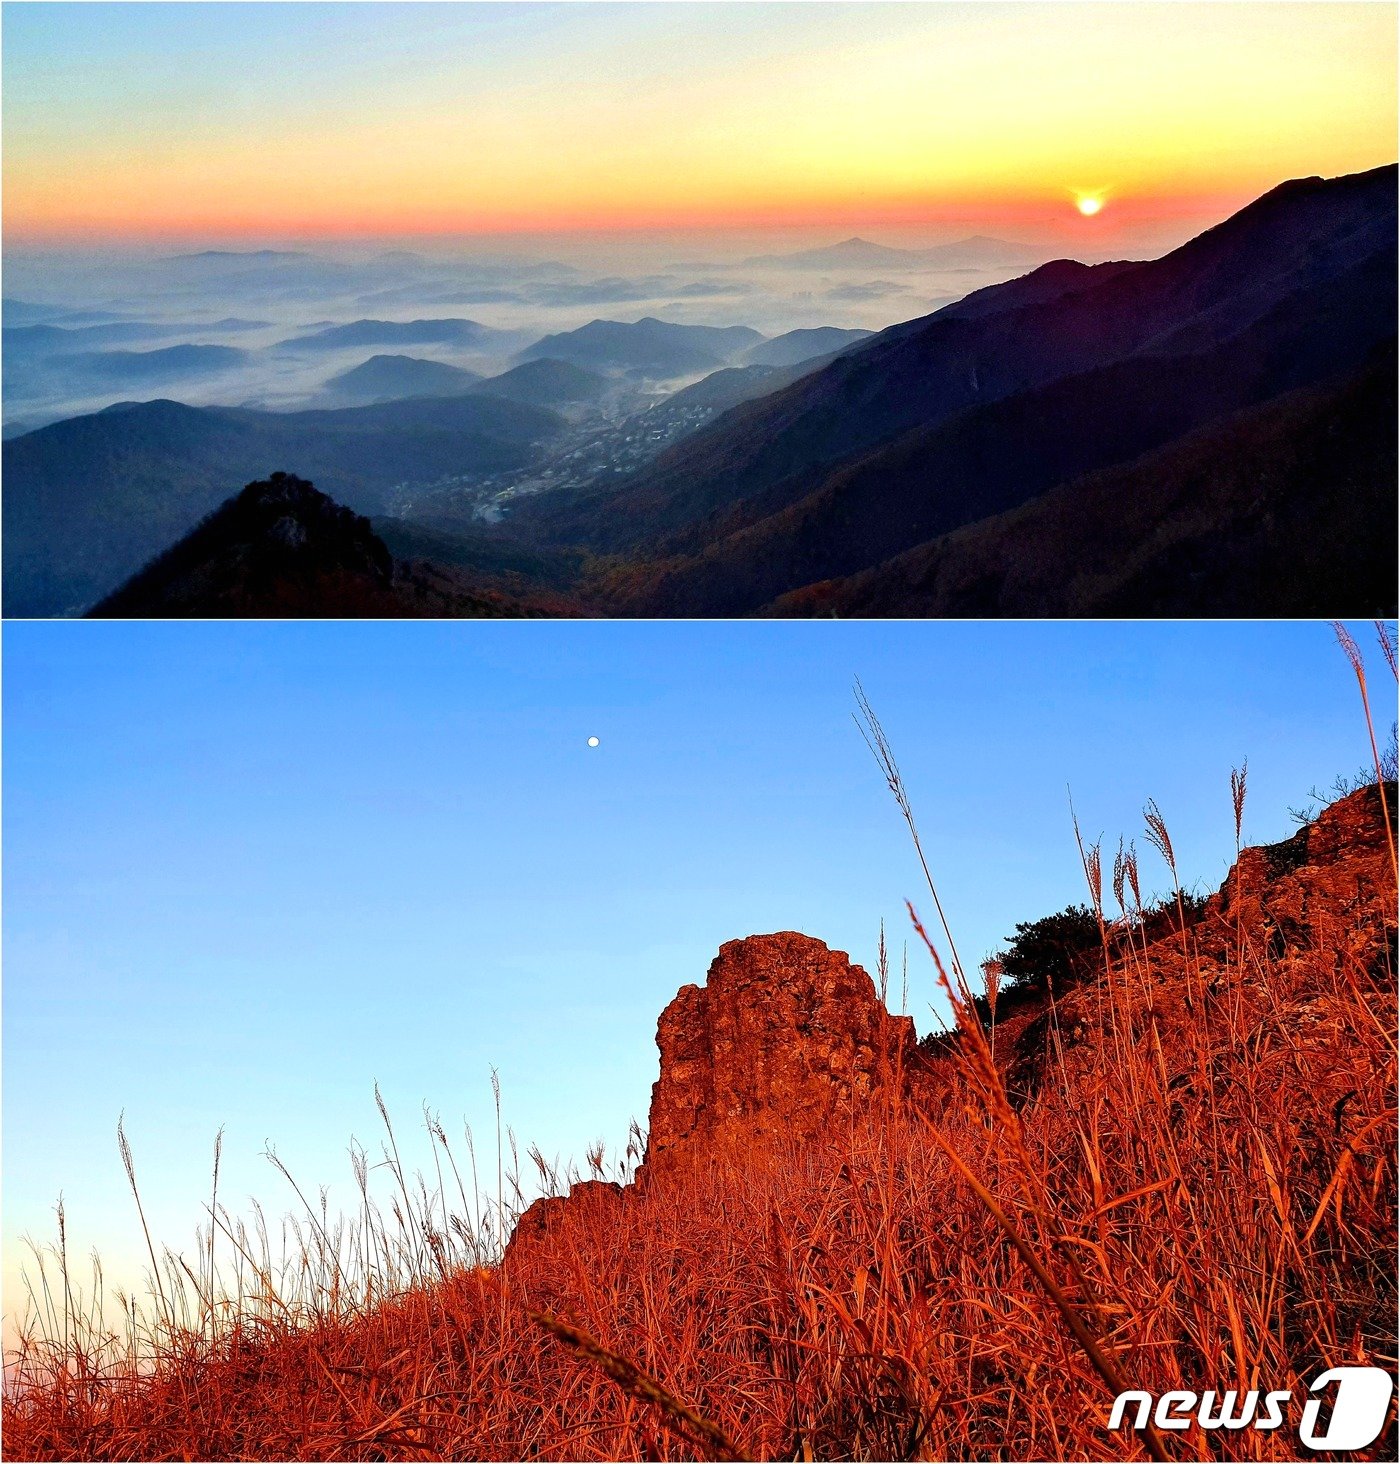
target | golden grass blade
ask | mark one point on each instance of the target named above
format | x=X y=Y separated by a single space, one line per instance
x=677 y=1415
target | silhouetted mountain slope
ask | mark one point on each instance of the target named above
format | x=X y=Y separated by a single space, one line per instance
x=385 y=378
x=724 y=388
x=87 y=501
x=988 y=459
x=545 y=383
x=654 y=347
x=803 y=345
x=281 y=549
x=1051 y=281
x=1288 y=509
x=1061 y=321
x=731 y=385
x=483 y=554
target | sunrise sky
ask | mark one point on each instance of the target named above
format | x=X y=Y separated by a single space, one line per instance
x=131 y=123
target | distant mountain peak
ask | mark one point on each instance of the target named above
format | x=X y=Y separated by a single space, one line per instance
x=979 y=251
x=244 y=254
x=387 y=377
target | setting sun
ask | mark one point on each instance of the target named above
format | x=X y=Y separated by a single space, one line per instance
x=1088 y=204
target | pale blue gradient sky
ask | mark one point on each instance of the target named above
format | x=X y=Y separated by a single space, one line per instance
x=250 y=869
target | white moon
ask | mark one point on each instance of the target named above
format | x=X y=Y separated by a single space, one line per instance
x=593 y=742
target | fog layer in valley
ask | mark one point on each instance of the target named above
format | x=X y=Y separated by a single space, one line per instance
x=275 y=328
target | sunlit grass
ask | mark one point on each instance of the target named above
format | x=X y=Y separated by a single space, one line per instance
x=1179 y=1173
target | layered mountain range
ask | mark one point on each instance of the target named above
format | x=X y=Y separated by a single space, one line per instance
x=1038 y=385
x=1211 y=432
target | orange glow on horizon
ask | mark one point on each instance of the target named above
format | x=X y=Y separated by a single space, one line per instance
x=1040 y=214
x=779 y=117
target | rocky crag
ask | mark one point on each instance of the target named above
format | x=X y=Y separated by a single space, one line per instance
x=788 y=1041
x=785 y=1040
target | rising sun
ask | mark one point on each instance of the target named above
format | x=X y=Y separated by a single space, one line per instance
x=1088 y=204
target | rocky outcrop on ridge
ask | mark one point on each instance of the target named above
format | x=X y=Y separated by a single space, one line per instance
x=788 y=1040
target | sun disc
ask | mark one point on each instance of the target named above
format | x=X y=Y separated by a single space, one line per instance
x=1088 y=204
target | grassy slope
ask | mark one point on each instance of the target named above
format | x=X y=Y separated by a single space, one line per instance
x=1205 y=1167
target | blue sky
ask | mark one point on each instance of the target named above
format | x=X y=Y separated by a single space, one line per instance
x=251 y=869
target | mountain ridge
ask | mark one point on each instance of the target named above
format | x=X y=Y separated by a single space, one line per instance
x=280 y=549
x=91 y=499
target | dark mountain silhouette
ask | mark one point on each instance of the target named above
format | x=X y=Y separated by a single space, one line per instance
x=386 y=378
x=976 y=252
x=1280 y=510
x=545 y=383
x=89 y=500
x=1052 y=281
x=652 y=347
x=483 y=556
x=983 y=405
x=803 y=345
x=467 y=334
x=281 y=549
x=725 y=388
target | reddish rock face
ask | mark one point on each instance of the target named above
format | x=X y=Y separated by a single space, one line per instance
x=1328 y=867
x=786 y=1038
x=546 y=1215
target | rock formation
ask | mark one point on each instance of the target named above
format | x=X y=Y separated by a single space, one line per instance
x=786 y=1038
x=1330 y=864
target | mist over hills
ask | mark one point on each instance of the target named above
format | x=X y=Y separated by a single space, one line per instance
x=124 y=367
x=464 y=333
x=540 y=382
x=655 y=347
x=384 y=378
x=307 y=314
x=988 y=453
x=68 y=337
